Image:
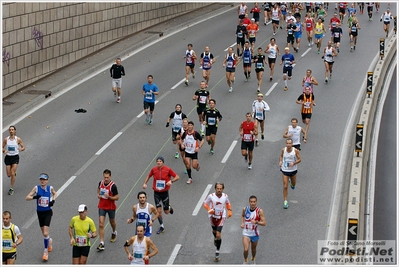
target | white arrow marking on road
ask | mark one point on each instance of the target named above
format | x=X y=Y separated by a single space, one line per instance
x=352 y=230
x=307 y=50
x=201 y=200
x=229 y=151
x=230 y=46
x=359 y=132
x=174 y=254
x=359 y=144
x=271 y=89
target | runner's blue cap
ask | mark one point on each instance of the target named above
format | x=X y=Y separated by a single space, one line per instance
x=43 y=176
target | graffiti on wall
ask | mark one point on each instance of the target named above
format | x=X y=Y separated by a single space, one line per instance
x=6 y=57
x=38 y=36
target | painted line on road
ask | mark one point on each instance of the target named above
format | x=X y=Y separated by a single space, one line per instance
x=201 y=200
x=177 y=84
x=62 y=188
x=230 y=46
x=307 y=51
x=108 y=143
x=229 y=151
x=271 y=89
x=142 y=113
x=174 y=254
x=270 y=21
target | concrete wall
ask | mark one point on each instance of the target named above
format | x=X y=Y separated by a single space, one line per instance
x=39 y=38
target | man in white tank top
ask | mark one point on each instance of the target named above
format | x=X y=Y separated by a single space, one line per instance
x=289 y=158
x=12 y=145
x=141 y=248
x=294 y=131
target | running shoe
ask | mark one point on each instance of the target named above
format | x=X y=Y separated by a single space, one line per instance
x=189 y=181
x=246 y=158
x=285 y=88
x=176 y=155
x=309 y=44
x=119 y=100
x=45 y=256
x=211 y=152
x=11 y=191
x=292 y=186
x=318 y=51
x=209 y=142
x=281 y=27
x=263 y=137
x=326 y=80
x=161 y=230
x=185 y=171
x=256 y=142
x=274 y=33
x=271 y=78
x=231 y=89
x=150 y=122
x=186 y=83
x=193 y=75
x=285 y=204
x=351 y=49
x=258 y=90
x=354 y=47
x=50 y=245
x=338 y=50
x=217 y=256
x=171 y=210
x=100 y=247
x=246 y=79
x=296 y=49
x=113 y=238
x=246 y=263
x=202 y=133
x=253 y=262
x=249 y=166
x=249 y=76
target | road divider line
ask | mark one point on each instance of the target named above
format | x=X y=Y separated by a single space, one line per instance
x=230 y=46
x=201 y=200
x=62 y=188
x=229 y=151
x=307 y=51
x=271 y=89
x=174 y=254
x=108 y=143
x=177 y=84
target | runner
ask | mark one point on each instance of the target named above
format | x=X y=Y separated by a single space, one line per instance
x=211 y=119
x=291 y=27
x=177 y=116
x=309 y=81
x=377 y=6
x=251 y=217
x=276 y=14
x=191 y=147
x=342 y=10
x=81 y=229
x=334 y=21
x=283 y=14
x=328 y=56
x=143 y=248
x=190 y=58
x=370 y=6
x=149 y=90
x=142 y=214
x=207 y=60
x=259 y=61
x=11 y=237
x=318 y=30
x=163 y=179
x=298 y=33
x=202 y=96
x=247 y=58
x=241 y=32
x=259 y=107
x=248 y=130
x=349 y=23
x=230 y=62
x=12 y=145
x=117 y=71
x=182 y=151
x=354 y=33
x=273 y=51
x=352 y=9
x=361 y=7
x=267 y=12
x=216 y=205
x=309 y=25
x=306 y=99
x=45 y=196
x=386 y=17
x=242 y=11
x=288 y=59
x=294 y=131
x=252 y=30
x=256 y=13
x=297 y=8
x=336 y=33
x=289 y=159
x=107 y=193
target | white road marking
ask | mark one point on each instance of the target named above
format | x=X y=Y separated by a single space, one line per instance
x=229 y=151
x=108 y=143
x=271 y=89
x=267 y=23
x=174 y=254
x=70 y=180
x=177 y=84
x=230 y=46
x=307 y=50
x=201 y=200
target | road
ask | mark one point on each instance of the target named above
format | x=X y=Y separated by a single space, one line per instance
x=75 y=148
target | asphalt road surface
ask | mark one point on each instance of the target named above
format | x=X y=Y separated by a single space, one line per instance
x=75 y=148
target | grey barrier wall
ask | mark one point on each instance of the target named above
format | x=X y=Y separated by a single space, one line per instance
x=39 y=38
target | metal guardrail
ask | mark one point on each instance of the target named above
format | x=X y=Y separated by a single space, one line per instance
x=355 y=224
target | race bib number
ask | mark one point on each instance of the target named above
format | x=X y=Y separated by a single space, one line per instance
x=202 y=99
x=138 y=255
x=307 y=104
x=230 y=64
x=11 y=148
x=336 y=34
x=290 y=32
x=207 y=65
x=7 y=244
x=142 y=222
x=240 y=35
x=247 y=60
x=308 y=25
x=43 y=201
x=259 y=115
x=248 y=137
x=259 y=65
x=103 y=191
x=287 y=63
x=81 y=241
x=160 y=184
x=211 y=121
x=176 y=128
x=148 y=95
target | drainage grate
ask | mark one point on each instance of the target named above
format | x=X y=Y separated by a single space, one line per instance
x=7 y=103
x=39 y=92
x=155 y=32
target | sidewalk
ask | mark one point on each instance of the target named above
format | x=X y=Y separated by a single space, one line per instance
x=20 y=102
